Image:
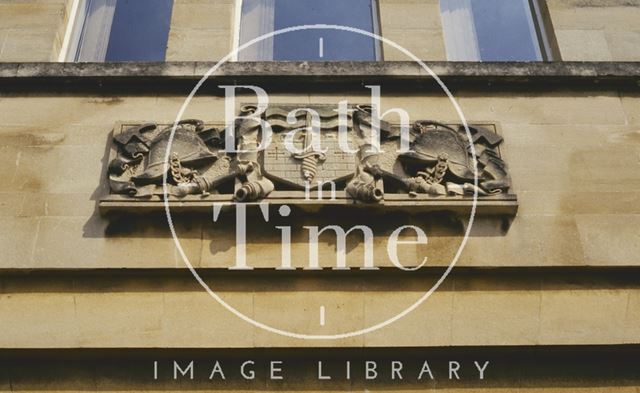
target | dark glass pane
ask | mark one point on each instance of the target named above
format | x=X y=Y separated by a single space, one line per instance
x=337 y=45
x=504 y=30
x=140 y=30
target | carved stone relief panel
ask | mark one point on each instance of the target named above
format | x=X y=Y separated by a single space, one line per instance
x=341 y=167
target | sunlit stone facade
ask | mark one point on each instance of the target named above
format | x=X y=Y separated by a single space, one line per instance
x=549 y=295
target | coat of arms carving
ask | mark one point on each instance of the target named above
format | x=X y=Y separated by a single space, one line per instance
x=435 y=173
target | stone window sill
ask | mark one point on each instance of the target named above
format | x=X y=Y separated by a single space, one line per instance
x=291 y=76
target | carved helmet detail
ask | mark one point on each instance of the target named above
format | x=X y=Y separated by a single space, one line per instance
x=436 y=141
x=187 y=145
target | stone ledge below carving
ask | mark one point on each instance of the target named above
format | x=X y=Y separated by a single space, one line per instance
x=500 y=205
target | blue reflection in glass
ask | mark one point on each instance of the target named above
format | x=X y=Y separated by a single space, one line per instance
x=263 y=16
x=337 y=45
x=140 y=30
x=505 y=30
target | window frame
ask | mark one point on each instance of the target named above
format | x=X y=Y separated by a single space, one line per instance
x=540 y=29
x=73 y=31
x=544 y=30
x=375 y=18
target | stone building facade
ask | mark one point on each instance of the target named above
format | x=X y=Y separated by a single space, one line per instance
x=550 y=296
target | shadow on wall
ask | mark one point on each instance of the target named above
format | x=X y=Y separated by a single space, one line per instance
x=218 y=242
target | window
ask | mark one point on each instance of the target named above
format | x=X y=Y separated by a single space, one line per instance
x=494 y=30
x=120 y=30
x=258 y=17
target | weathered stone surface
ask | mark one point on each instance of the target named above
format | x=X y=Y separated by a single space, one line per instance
x=573 y=48
x=615 y=15
x=563 y=274
x=303 y=316
x=409 y=14
x=431 y=326
x=589 y=145
x=28 y=30
x=424 y=43
x=200 y=31
x=404 y=75
x=464 y=312
x=536 y=240
x=492 y=317
x=563 y=318
x=629 y=102
x=22 y=323
x=609 y=237
x=540 y=109
x=17 y=241
x=198 y=44
x=91 y=242
x=596 y=30
x=624 y=45
x=415 y=26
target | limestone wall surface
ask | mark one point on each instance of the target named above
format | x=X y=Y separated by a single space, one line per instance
x=152 y=310
x=201 y=30
x=80 y=292
x=596 y=30
x=574 y=161
x=32 y=30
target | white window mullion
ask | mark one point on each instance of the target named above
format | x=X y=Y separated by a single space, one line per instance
x=94 y=39
x=72 y=33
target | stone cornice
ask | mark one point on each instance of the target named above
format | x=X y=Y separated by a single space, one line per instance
x=321 y=76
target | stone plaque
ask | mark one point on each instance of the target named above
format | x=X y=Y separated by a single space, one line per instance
x=435 y=173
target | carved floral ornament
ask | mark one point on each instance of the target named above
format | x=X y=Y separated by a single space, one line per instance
x=437 y=170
